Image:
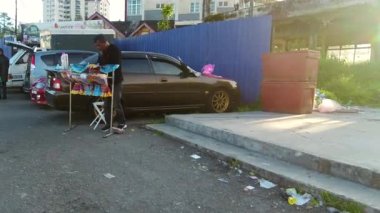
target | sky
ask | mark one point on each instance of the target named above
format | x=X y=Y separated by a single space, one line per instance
x=30 y=11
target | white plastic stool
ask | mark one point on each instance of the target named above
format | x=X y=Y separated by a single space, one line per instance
x=99 y=111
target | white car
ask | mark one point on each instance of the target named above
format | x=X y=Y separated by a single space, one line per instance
x=18 y=64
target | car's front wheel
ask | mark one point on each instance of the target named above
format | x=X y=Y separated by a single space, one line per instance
x=219 y=101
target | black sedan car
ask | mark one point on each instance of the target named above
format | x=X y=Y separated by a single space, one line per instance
x=155 y=81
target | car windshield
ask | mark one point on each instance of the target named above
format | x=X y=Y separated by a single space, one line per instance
x=16 y=56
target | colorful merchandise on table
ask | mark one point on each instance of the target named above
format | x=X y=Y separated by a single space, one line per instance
x=109 y=68
x=79 y=68
x=93 y=68
x=88 y=79
x=77 y=89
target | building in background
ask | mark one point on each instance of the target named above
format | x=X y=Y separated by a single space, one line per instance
x=100 y=6
x=63 y=10
x=73 y=10
x=187 y=12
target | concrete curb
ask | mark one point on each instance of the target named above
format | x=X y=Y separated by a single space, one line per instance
x=338 y=169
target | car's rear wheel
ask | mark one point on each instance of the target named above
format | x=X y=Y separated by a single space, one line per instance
x=219 y=101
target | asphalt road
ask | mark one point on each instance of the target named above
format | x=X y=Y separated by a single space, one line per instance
x=44 y=170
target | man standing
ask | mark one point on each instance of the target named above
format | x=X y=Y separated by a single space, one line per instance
x=110 y=54
x=4 y=65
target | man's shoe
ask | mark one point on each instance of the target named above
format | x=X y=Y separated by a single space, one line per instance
x=122 y=126
x=105 y=128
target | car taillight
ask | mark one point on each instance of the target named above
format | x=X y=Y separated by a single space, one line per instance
x=56 y=84
x=32 y=63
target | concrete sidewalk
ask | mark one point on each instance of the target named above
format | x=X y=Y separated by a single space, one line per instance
x=344 y=146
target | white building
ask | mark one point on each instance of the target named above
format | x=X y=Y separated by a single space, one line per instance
x=186 y=11
x=73 y=10
x=63 y=10
x=100 y=6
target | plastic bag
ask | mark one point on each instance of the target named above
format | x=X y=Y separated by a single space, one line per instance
x=208 y=69
x=329 y=105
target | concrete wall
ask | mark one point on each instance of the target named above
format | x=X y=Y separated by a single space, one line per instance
x=189 y=17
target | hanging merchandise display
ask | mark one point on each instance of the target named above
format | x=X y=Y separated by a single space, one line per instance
x=88 y=80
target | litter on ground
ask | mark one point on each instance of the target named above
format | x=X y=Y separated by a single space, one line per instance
x=223 y=180
x=249 y=188
x=109 y=176
x=266 y=184
x=195 y=156
x=297 y=199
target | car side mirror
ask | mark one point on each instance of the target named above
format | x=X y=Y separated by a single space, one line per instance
x=183 y=75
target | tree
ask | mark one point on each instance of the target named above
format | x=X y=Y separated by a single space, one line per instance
x=6 y=26
x=167 y=13
x=206 y=8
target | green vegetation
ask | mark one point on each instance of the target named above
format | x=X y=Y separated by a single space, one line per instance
x=215 y=17
x=157 y=121
x=167 y=13
x=314 y=202
x=357 y=84
x=6 y=26
x=249 y=107
x=233 y=163
x=343 y=205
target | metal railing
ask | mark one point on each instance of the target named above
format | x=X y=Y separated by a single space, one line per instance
x=294 y=7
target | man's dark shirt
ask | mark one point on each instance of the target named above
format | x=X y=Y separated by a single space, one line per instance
x=4 y=65
x=112 y=55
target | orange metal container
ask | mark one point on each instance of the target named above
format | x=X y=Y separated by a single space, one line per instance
x=291 y=66
x=288 y=97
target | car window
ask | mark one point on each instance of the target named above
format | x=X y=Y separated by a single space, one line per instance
x=50 y=59
x=76 y=58
x=163 y=67
x=16 y=56
x=23 y=59
x=136 y=66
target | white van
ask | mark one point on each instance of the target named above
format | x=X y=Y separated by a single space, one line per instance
x=18 y=64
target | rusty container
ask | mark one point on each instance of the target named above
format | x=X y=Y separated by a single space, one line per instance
x=291 y=66
x=287 y=97
x=289 y=81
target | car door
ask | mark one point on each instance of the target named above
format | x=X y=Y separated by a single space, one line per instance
x=139 y=82
x=18 y=64
x=176 y=87
x=17 y=70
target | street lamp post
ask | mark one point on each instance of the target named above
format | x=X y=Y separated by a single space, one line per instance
x=16 y=20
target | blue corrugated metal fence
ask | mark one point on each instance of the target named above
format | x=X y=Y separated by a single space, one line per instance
x=235 y=47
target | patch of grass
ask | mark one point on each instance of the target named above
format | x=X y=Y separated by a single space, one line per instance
x=252 y=173
x=233 y=163
x=357 y=84
x=157 y=121
x=249 y=107
x=343 y=205
x=314 y=202
x=157 y=133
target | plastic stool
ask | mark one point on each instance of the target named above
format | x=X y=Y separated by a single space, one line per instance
x=99 y=111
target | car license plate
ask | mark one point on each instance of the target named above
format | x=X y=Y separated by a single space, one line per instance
x=34 y=92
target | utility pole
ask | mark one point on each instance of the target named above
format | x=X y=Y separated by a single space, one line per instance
x=16 y=20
